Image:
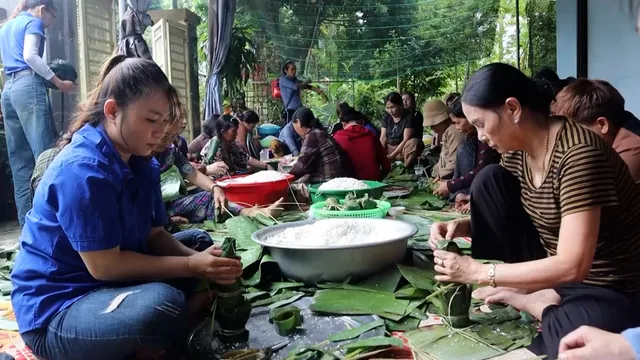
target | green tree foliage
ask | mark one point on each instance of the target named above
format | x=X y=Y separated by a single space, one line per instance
x=428 y=47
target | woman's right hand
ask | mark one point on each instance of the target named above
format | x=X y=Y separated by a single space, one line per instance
x=209 y=265
x=64 y=85
x=217 y=168
x=444 y=231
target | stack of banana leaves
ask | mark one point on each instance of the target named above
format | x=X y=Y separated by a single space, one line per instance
x=402 y=297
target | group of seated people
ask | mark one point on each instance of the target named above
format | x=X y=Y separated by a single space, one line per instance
x=97 y=273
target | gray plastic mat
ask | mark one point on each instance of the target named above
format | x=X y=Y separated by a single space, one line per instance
x=315 y=329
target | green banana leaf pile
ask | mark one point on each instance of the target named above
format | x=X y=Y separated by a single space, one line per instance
x=401 y=296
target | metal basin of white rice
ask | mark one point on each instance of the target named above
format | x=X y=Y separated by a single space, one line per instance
x=336 y=249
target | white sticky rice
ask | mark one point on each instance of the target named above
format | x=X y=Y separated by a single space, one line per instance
x=333 y=232
x=343 y=183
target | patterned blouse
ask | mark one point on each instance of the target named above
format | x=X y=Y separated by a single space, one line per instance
x=236 y=159
x=485 y=155
x=172 y=156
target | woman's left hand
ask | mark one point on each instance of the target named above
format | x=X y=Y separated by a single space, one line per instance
x=219 y=200
x=217 y=168
x=452 y=267
x=442 y=190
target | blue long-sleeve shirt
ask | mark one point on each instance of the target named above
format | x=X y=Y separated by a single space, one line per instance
x=290 y=93
x=633 y=337
x=289 y=136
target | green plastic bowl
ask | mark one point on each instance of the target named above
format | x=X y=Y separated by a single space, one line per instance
x=378 y=213
x=375 y=191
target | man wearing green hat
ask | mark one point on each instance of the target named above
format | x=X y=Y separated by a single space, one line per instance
x=436 y=116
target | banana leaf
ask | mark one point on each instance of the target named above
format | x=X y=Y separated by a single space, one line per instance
x=507 y=335
x=354 y=302
x=253 y=295
x=241 y=228
x=267 y=266
x=411 y=292
x=421 y=239
x=274 y=312
x=209 y=225
x=287 y=321
x=250 y=256
x=279 y=285
x=228 y=248
x=355 y=332
x=291 y=216
x=414 y=308
x=386 y=281
x=270 y=300
x=441 y=343
x=419 y=278
x=407 y=323
x=374 y=342
x=496 y=316
x=287 y=301
x=423 y=201
x=396 y=171
x=433 y=203
x=265 y=220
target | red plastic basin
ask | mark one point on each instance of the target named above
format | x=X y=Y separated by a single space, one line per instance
x=248 y=195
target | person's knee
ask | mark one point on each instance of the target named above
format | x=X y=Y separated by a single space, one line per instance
x=195 y=239
x=165 y=311
x=489 y=175
x=410 y=147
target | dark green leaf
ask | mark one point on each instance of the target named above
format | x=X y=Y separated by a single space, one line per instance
x=250 y=256
x=277 y=286
x=410 y=292
x=354 y=302
x=267 y=263
x=287 y=301
x=383 y=281
x=284 y=296
x=355 y=332
x=407 y=323
x=419 y=278
x=253 y=295
x=375 y=342
x=496 y=316
x=265 y=220
x=441 y=343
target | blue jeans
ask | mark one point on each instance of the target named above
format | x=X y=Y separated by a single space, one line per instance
x=30 y=130
x=151 y=316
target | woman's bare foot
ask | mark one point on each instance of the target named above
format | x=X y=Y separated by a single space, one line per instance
x=487 y=291
x=274 y=210
x=533 y=303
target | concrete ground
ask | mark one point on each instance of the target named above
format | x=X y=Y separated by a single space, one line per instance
x=9 y=232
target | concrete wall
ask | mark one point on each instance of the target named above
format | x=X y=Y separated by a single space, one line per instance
x=613 y=45
x=566 y=37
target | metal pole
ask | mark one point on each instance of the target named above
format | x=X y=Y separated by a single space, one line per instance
x=174 y=4
x=518 y=32
x=397 y=75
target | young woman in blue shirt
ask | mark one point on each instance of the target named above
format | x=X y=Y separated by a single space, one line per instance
x=97 y=276
x=26 y=108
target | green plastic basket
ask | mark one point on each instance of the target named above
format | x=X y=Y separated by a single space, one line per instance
x=377 y=213
x=375 y=191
